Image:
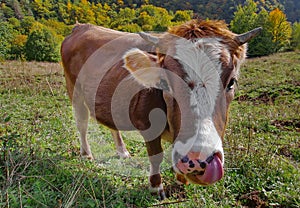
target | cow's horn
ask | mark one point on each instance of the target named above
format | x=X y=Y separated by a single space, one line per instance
x=149 y=38
x=245 y=37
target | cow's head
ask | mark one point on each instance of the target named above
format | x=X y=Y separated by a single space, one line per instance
x=197 y=66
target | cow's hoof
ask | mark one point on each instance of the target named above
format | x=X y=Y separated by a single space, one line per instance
x=158 y=191
x=87 y=157
x=124 y=154
x=162 y=195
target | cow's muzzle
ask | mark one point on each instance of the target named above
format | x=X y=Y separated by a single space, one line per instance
x=203 y=172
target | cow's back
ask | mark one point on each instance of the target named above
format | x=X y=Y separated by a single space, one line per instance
x=84 y=40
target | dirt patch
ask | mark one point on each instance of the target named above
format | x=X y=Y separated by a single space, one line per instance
x=262 y=98
x=285 y=151
x=253 y=199
x=291 y=151
x=266 y=98
x=175 y=191
x=296 y=83
x=268 y=95
x=292 y=124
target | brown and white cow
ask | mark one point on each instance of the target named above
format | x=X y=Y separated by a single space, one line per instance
x=175 y=86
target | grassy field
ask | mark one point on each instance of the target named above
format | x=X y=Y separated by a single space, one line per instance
x=39 y=148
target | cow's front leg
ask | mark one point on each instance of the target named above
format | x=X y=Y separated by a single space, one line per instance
x=155 y=153
x=120 y=146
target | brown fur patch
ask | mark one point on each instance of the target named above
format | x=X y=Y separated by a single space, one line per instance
x=201 y=29
x=209 y=29
x=155 y=180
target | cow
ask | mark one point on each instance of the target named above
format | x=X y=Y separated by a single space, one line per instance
x=174 y=86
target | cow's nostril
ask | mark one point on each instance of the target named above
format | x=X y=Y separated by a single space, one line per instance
x=202 y=164
x=191 y=164
x=185 y=159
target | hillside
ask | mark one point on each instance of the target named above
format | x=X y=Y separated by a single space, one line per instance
x=224 y=9
x=212 y=9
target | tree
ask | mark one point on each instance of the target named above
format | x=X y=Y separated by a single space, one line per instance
x=296 y=36
x=41 y=9
x=17 y=50
x=59 y=27
x=15 y=23
x=280 y=28
x=244 y=18
x=7 y=34
x=6 y=12
x=276 y=30
x=101 y=14
x=182 y=16
x=262 y=44
x=26 y=24
x=17 y=9
x=42 y=45
x=84 y=13
x=62 y=12
x=154 y=18
x=145 y=21
x=124 y=18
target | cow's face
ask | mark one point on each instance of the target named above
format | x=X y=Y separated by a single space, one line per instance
x=198 y=78
x=209 y=74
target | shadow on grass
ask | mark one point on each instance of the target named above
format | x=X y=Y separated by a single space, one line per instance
x=34 y=179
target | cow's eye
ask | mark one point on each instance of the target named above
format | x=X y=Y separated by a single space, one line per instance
x=231 y=84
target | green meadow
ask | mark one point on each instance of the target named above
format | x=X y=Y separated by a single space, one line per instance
x=40 y=164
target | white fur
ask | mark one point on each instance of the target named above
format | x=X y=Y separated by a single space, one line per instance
x=156 y=189
x=201 y=61
x=143 y=69
x=155 y=161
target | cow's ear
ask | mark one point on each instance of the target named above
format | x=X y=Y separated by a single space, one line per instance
x=144 y=68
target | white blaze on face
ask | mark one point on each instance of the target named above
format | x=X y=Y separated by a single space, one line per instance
x=201 y=61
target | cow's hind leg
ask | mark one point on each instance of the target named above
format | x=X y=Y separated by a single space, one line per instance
x=120 y=145
x=82 y=118
x=155 y=153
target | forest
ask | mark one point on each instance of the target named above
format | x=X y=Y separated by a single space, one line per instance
x=34 y=29
x=217 y=9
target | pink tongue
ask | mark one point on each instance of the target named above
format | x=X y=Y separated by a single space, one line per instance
x=213 y=172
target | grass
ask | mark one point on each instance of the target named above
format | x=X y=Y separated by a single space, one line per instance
x=39 y=147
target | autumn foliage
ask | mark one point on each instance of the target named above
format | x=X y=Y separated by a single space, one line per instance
x=277 y=31
x=20 y=19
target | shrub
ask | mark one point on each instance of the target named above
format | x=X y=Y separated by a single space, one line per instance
x=18 y=47
x=42 y=45
x=26 y=24
x=59 y=27
x=7 y=34
x=280 y=28
x=182 y=16
x=129 y=28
